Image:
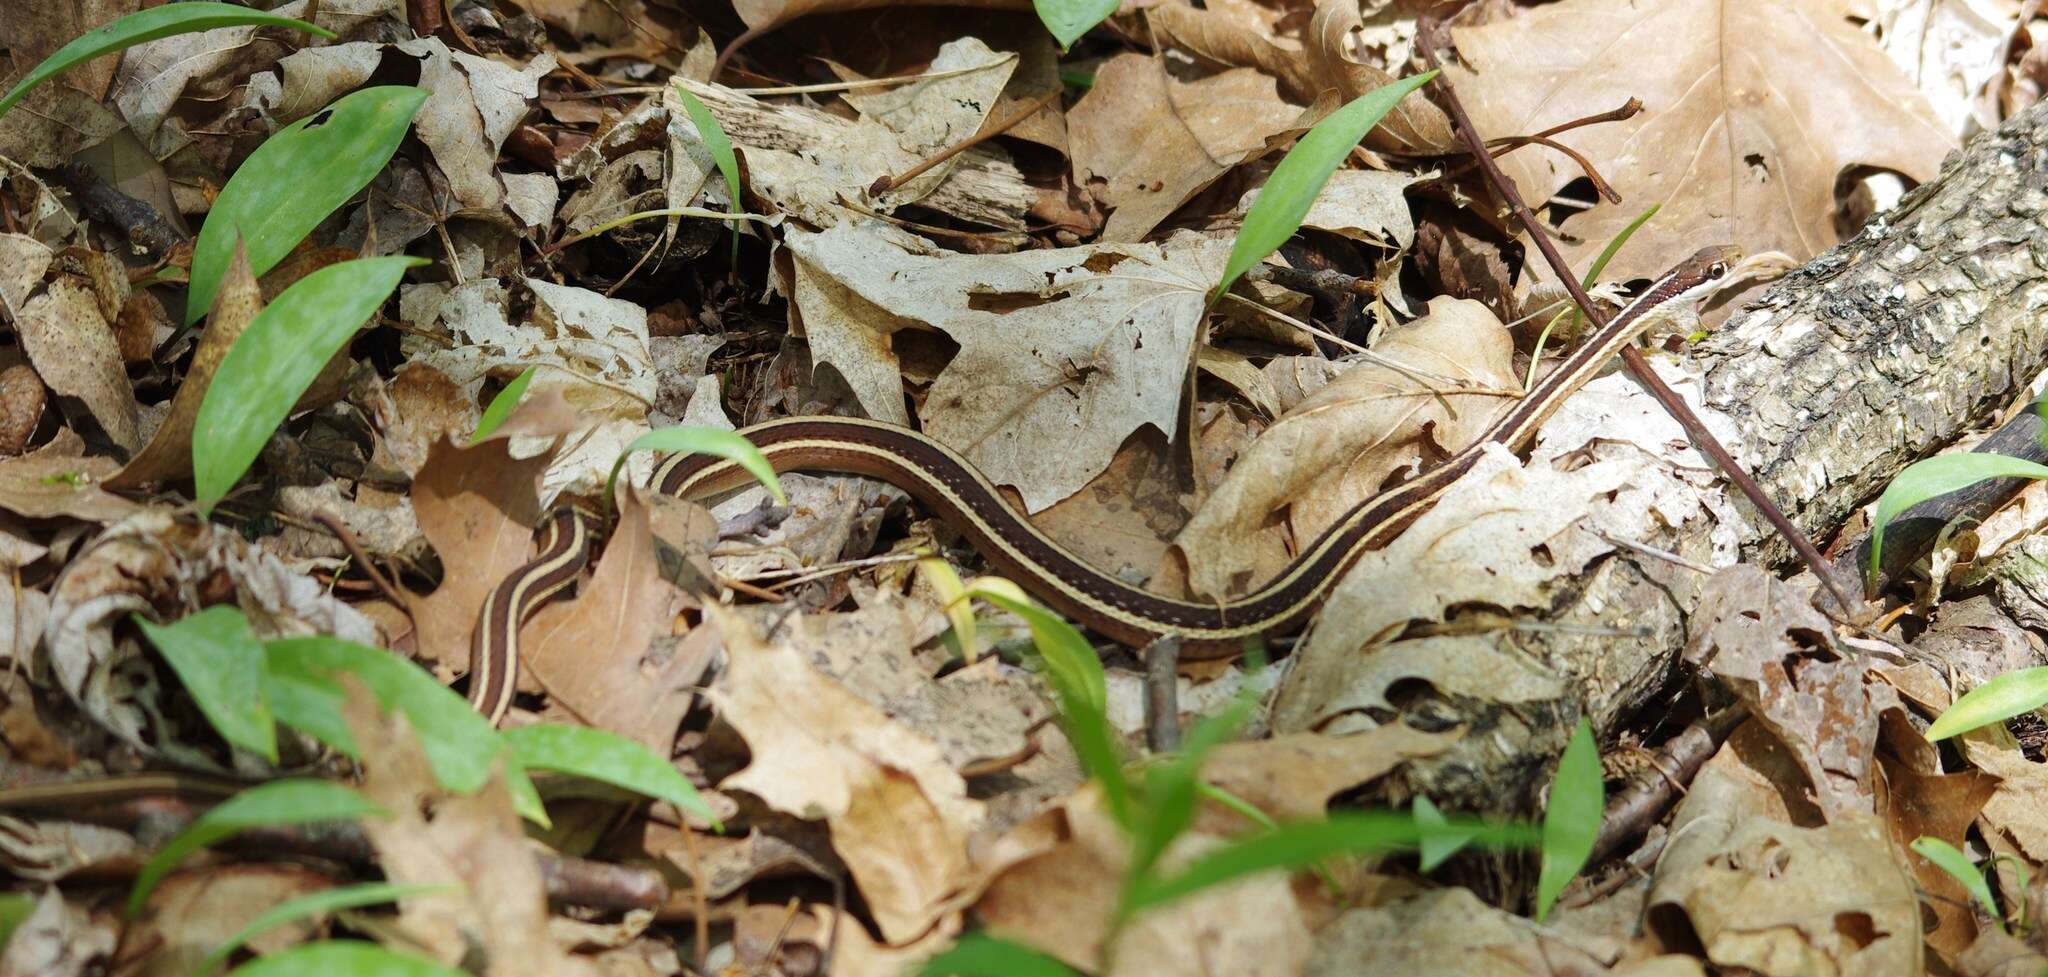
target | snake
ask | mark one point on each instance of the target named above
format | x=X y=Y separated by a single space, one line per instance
x=951 y=486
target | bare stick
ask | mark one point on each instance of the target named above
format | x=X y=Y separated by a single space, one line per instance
x=1672 y=403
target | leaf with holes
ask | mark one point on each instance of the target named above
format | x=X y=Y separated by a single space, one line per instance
x=294 y=180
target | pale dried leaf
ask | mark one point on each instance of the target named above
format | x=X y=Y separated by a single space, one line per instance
x=1343 y=443
x=1497 y=537
x=1194 y=133
x=900 y=817
x=1063 y=354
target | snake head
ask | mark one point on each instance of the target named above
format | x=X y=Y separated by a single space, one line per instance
x=1715 y=261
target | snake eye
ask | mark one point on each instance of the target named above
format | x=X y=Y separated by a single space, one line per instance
x=1717 y=269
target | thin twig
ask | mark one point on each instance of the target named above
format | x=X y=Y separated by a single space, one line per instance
x=988 y=132
x=1637 y=365
x=348 y=542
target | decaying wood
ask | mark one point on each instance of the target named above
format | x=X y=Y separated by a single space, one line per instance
x=1876 y=353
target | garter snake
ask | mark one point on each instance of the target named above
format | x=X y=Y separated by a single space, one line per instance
x=950 y=485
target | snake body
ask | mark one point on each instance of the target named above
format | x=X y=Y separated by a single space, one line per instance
x=951 y=486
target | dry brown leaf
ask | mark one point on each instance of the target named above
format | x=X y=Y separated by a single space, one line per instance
x=1916 y=804
x=1194 y=132
x=1445 y=931
x=763 y=14
x=58 y=479
x=160 y=565
x=1062 y=901
x=1124 y=519
x=595 y=655
x=477 y=507
x=979 y=712
x=1292 y=777
x=1415 y=126
x=1763 y=893
x=500 y=909
x=63 y=117
x=900 y=817
x=1768 y=645
x=1063 y=353
x=169 y=452
x=1753 y=108
x=1343 y=443
x=196 y=910
x=65 y=325
x=1240 y=33
x=1498 y=537
x=59 y=940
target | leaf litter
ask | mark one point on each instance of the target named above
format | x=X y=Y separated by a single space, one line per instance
x=958 y=226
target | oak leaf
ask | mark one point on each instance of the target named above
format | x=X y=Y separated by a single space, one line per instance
x=1736 y=144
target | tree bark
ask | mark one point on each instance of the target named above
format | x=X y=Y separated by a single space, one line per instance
x=1874 y=354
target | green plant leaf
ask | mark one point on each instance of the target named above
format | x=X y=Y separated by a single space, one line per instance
x=1940 y=475
x=1947 y=858
x=343 y=958
x=1173 y=788
x=273 y=362
x=2002 y=698
x=1578 y=798
x=294 y=180
x=1067 y=20
x=1292 y=189
x=1080 y=689
x=729 y=445
x=141 y=27
x=311 y=906
x=720 y=146
x=460 y=746
x=982 y=955
x=14 y=907
x=1440 y=840
x=605 y=757
x=1297 y=845
x=280 y=802
x=501 y=406
x=220 y=663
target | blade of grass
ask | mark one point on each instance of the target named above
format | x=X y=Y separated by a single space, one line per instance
x=1578 y=798
x=275 y=359
x=1067 y=20
x=608 y=758
x=1592 y=276
x=280 y=802
x=501 y=406
x=312 y=906
x=716 y=141
x=1439 y=840
x=1080 y=689
x=343 y=958
x=1946 y=857
x=982 y=955
x=729 y=445
x=1295 y=183
x=143 y=26
x=1297 y=845
x=2008 y=695
x=294 y=180
x=1940 y=475
x=220 y=663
